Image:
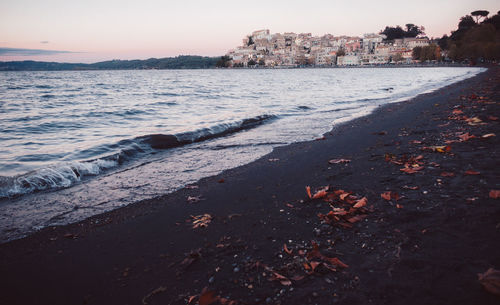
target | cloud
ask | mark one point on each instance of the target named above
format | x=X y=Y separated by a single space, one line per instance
x=44 y=42
x=29 y=52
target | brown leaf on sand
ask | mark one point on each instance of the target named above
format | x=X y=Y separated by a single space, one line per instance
x=282 y=279
x=315 y=253
x=390 y=195
x=466 y=136
x=411 y=170
x=342 y=196
x=490 y=280
x=492 y=118
x=207 y=297
x=337 y=161
x=308 y=190
x=440 y=149
x=285 y=248
x=489 y=135
x=471 y=172
x=360 y=203
x=201 y=221
x=495 y=194
x=411 y=187
x=321 y=193
x=356 y=218
x=447 y=174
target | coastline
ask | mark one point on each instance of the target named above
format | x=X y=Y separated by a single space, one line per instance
x=124 y=255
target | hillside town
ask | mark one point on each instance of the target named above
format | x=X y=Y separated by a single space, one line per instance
x=262 y=48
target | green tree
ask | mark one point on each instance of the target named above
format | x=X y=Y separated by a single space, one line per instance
x=223 y=62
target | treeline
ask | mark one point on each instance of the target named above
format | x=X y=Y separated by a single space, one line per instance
x=179 y=62
x=476 y=39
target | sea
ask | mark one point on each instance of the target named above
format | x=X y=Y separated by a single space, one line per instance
x=74 y=144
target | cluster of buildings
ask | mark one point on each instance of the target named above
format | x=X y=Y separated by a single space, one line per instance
x=289 y=49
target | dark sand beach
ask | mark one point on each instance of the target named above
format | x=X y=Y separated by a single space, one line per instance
x=264 y=241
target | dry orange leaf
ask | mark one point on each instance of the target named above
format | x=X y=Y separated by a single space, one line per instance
x=409 y=170
x=390 y=195
x=471 y=172
x=490 y=280
x=308 y=190
x=447 y=174
x=495 y=194
x=342 y=196
x=314 y=264
x=360 y=203
x=285 y=248
x=386 y=195
x=207 y=297
x=466 y=136
x=320 y=194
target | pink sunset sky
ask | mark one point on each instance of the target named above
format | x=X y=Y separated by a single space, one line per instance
x=96 y=30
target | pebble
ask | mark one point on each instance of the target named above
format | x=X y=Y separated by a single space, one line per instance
x=236 y=269
x=211 y=279
x=269 y=300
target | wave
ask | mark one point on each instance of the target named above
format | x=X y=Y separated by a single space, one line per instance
x=68 y=173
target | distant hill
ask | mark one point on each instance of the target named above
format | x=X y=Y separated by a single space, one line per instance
x=179 y=62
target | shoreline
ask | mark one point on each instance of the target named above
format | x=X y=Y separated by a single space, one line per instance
x=148 y=245
x=34 y=203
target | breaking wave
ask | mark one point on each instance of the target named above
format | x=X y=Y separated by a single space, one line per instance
x=68 y=173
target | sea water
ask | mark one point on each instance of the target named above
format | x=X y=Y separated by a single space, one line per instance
x=78 y=143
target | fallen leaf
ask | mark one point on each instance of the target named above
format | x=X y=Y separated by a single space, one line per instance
x=440 y=149
x=221 y=180
x=471 y=172
x=285 y=248
x=492 y=118
x=314 y=265
x=457 y=111
x=489 y=135
x=490 y=280
x=447 y=174
x=474 y=121
x=466 y=136
x=411 y=170
x=193 y=199
x=495 y=194
x=356 y=218
x=342 y=196
x=337 y=161
x=399 y=206
x=411 y=187
x=207 y=297
x=321 y=193
x=308 y=190
x=201 y=221
x=361 y=203
x=389 y=195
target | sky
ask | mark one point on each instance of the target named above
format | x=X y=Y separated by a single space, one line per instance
x=96 y=30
